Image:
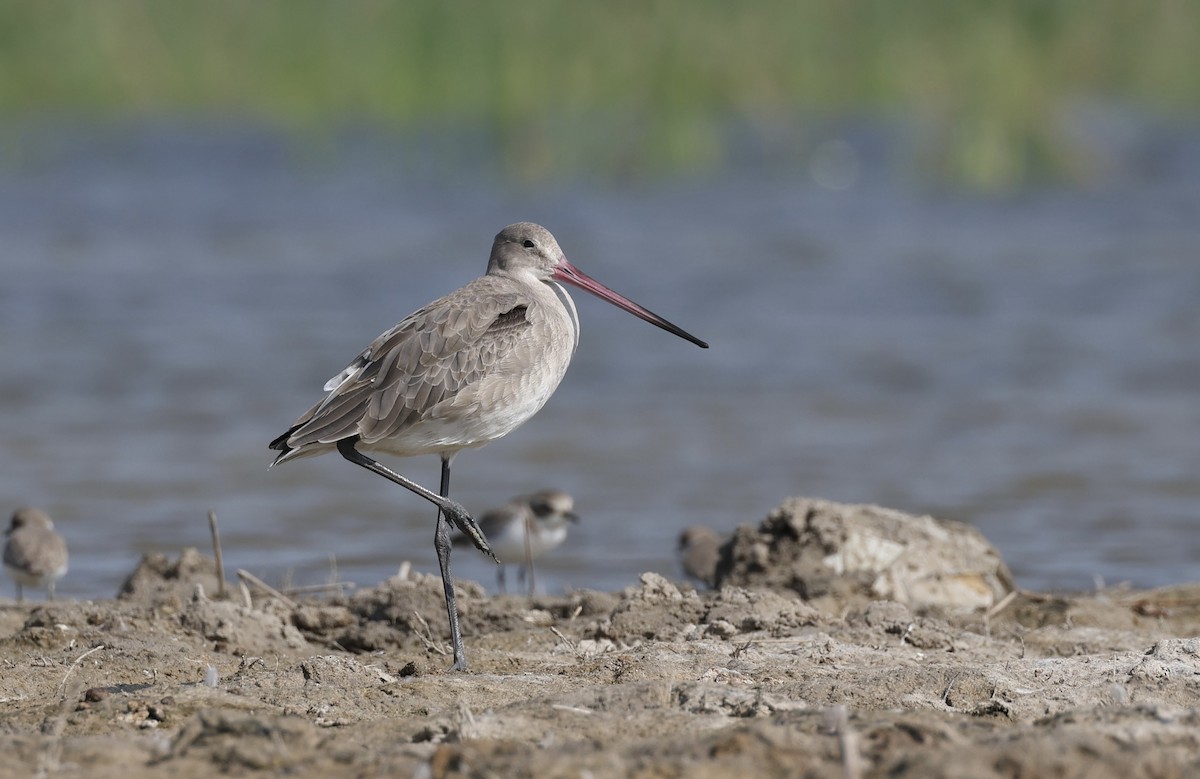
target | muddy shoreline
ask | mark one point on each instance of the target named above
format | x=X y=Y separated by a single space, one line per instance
x=838 y=641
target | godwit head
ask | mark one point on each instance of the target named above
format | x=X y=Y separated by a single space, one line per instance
x=526 y=247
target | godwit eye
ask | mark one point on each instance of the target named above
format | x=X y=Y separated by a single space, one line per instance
x=529 y=244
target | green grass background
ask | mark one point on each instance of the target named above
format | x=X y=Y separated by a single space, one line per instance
x=636 y=87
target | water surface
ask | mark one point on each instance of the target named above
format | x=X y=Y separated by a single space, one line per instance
x=173 y=299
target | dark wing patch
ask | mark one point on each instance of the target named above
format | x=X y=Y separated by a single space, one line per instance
x=514 y=317
x=429 y=357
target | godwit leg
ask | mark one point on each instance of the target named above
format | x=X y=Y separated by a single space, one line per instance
x=453 y=511
x=441 y=542
x=441 y=538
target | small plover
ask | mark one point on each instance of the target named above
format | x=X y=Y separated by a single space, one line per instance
x=526 y=528
x=699 y=552
x=35 y=554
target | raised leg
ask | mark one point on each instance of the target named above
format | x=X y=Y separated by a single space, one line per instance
x=447 y=510
x=452 y=511
x=500 y=583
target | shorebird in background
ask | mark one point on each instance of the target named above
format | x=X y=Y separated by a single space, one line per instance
x=460 y=372
x=35 y=555
x=699 y=552
x=526 y=528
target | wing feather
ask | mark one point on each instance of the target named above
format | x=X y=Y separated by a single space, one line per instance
x=417 y=369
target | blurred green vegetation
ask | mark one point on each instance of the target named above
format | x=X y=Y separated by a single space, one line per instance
x=619 y=87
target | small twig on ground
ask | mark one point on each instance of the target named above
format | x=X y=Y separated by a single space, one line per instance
x=1001 y=604
x=573 y=709
x=216 y=542
x=997 y=607
x=740 y=649
x=837 y=719
x=310 y=588
x=851 y=758
x=257 y=582
x=63 y=684
x=949 y=687
x=568 y=643
x=427 y=639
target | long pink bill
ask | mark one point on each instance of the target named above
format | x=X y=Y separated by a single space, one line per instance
x=568 y=273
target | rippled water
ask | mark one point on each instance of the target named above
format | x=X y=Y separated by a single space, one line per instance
x=172 y=300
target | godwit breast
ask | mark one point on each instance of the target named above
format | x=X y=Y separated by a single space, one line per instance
x=460 y=372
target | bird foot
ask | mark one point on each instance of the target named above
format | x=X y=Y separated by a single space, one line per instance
x=462 y=520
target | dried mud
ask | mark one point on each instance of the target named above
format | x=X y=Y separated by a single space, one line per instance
x=839 y=641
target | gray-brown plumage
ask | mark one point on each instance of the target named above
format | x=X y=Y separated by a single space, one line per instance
x=462 y=371
x=35 y=555
x=699 y=552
